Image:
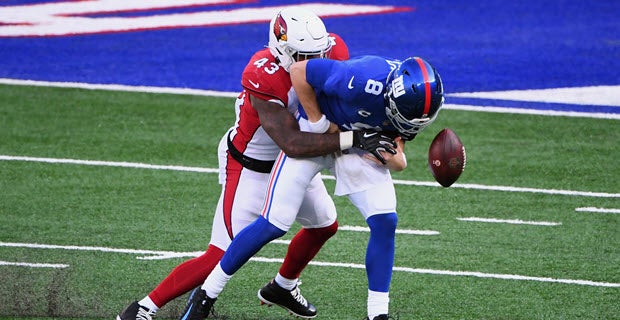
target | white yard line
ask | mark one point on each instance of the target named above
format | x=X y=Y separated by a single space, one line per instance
x=511 y=221
x=592 y=95
x=599 y=210
x=537 y=112
x=136 y=165
x=326 y=177
x=119 y=87
x=213 y=93
x=398 y=231
x=322 y=264
x=34 y=265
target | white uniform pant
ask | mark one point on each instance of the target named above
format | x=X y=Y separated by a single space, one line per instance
x=368 y=185
x=243 y=194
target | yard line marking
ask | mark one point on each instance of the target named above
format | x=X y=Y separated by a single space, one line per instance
x=213 y=93
x=119 y=87
x=110 y=164
x=594 y=209
x=593 y=95
x=509 y=277
x=325 y=177
x=516 y=221
x=456 y=273
x=83 y=248
x=157 y=254
x=34 y=265
x=550 y=113
x=400 y=231
x=534 y=190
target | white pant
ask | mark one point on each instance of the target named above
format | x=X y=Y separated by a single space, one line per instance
x=243 y=194
x=368 y=185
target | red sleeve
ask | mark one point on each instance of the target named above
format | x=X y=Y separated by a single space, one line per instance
x=339 y=50
x=264 y=78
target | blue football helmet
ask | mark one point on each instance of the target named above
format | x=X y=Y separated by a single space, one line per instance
x=414 y=96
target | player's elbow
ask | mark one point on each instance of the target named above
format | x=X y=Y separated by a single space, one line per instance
x=292 y=151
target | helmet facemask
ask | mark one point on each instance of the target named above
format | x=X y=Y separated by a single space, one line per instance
x=404 y=125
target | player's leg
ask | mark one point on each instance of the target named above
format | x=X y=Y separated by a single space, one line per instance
x=240 y=187
x=237 y=207
x=317 y=215
x=378 y=206
x=370 y=188
x=284 y=195
x=287 y=184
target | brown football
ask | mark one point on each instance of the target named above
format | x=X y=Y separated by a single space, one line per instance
x=446 y=157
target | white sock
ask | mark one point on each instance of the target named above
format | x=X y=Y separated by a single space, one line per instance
x=215 y=282
x=285 y=283
x=148 y=303
x=378 y=303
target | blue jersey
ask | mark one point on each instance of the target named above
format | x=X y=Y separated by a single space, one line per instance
x=351 y=93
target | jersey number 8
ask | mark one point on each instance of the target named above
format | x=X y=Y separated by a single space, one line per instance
x=374 y=87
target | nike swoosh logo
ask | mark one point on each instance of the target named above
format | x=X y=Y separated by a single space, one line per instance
x=369 y=134
x=256 y=85
x=350 y=86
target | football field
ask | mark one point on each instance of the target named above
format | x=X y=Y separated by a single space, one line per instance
x=111 y=112
x=104 y=192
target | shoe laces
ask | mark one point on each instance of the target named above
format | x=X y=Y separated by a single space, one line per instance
x=144 y=314
x=296 y=293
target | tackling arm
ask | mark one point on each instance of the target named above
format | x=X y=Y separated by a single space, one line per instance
x=283 y=128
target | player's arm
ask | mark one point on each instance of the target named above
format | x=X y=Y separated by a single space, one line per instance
x=305 y=92
x=283 y=128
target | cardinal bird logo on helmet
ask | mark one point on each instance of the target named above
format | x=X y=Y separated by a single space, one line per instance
x=279 y=28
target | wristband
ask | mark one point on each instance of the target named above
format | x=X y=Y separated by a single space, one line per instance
x=346 y=140
x=320 y=126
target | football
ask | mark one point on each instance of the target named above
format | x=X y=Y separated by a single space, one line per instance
x=446 y=157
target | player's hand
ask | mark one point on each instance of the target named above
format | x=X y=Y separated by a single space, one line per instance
x=394 y=162
x=374 y=142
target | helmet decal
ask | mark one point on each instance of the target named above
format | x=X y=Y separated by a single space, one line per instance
x=279 y=28
x=398 y=86
x=427 y=86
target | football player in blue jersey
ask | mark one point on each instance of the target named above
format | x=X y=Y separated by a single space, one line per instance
x=368 y=92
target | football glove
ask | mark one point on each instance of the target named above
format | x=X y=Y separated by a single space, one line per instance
x=374 y=142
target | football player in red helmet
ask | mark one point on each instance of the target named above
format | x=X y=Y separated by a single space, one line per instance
x=264 y=126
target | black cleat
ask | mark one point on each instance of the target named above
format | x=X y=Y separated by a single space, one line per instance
x=381 y=317
x=199 y=306
x=292 y=300
x=135 y=312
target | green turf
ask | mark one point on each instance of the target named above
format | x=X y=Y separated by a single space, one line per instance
x=128 y=208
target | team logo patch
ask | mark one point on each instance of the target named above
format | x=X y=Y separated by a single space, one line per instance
x=279 y=28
